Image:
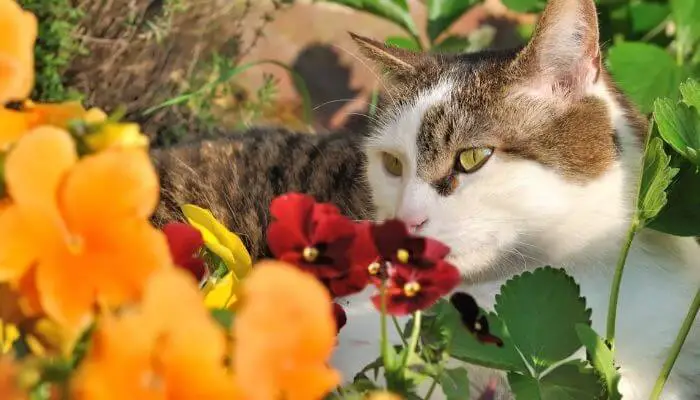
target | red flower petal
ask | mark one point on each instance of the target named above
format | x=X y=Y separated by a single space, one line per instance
x=184 y=242
x=389 y=237
x=435 y=250
x=293 y=210
x=283 y=239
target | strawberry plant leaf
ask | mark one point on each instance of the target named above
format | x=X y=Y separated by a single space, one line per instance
x=681 y=216
x=395 y=11
x=442 y=328
x=679 y=126
x=455 y=383
x=540 y=310
x=602 y=359
x=403 y=42
x=656 y=177
x=572 y=380
x=644 y=72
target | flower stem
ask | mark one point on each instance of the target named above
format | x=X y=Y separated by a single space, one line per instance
x=398 y=329
x=431 y=389
x=617 y=280
x=384 y=337
x=676 y=348
x=415 y=331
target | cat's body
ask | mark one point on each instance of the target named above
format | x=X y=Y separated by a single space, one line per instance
x=513 y=159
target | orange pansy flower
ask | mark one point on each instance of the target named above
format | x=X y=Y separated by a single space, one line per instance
x=82 y=223
x=153 y=353
x=19 y=31
x=17 y=123
x=284 y=335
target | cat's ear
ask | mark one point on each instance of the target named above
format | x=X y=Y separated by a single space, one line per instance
x=400 y=63
x=564 y=54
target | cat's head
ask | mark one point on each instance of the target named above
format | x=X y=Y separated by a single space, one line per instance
x=513 y=159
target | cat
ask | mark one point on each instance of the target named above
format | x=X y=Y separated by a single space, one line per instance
x=515 y=159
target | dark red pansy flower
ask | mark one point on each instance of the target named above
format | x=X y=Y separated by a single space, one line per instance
x=185 y=242
x=411 y=289
x=395 y=244
x=340 y=318
x=314 y=236
x=472 y=319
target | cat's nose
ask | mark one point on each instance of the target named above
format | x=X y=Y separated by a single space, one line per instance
x=415 y=224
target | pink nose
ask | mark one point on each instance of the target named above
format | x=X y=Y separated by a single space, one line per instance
x=415 y=224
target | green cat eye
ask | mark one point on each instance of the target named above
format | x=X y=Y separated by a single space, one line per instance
x=392 y=165
x=470 y=160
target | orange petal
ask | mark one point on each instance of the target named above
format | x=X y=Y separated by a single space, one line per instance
x=14 y=125
x=108 y=186
x=112 y=267
x=54 y=114
x=19 y=31
x=18 y=248
x=34 y=170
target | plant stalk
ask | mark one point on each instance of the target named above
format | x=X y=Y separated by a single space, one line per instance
x=617 y=280
x=676 y=348
x=413 y=342
x=399 y=330
x=384 y=337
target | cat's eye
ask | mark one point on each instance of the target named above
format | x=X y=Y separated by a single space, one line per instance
x=392 y=164
x=470 y=160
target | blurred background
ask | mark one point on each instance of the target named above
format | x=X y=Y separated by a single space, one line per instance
x=191 y=68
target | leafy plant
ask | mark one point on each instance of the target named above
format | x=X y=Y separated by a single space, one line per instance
x=55 y=47
x=441 y=15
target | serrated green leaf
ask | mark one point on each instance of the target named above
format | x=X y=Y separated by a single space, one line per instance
x=462 y=345
x=681 y=216
x=645 y=16
x=644 y=72
x=571 y=381
x=602 y=359
x=442 y=13
x=679 y=126
x=690 y=93
x=402 y=42
x=455 y=384
x=525 y=5
x=395 y=11
x=656 y=177
x=540 y=310
x=223 y=317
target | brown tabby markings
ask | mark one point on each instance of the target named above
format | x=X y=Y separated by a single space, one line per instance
x=237 y=177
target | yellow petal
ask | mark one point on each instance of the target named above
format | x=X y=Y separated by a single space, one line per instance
x=8 y=335
x=116 y=135
x=19 y=31
x=222 y=294
x=94 y=116
x=220 y=240
x=54 y=114
x=14 y=125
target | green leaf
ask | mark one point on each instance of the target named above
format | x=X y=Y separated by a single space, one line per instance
x=403 y=42
x=644 y=72
x=690 y=93
x=571 y=381
x=462 y=345
x=686 y=14
x=681 y=216
x=453 y=44
x=646 y=16
x=602 y=359
x=656 y=176
x=679 y=126
x=455 y=383
x=442 y=13
x=395 y=11
x=525 y=5
x=223 y=317
x=540 y=310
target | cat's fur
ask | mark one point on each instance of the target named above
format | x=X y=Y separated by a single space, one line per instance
x=559 y=189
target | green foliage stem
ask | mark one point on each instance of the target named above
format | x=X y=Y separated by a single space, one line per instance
x=617 y=280
x=676 y=348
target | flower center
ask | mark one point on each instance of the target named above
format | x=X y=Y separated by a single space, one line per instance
x=374 y=268
x=403 y=256
x=310 y=254
x=411 y=289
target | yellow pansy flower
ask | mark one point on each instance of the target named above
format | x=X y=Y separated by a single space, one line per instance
x=221 y=293
x=112 y=135
x=8 y=335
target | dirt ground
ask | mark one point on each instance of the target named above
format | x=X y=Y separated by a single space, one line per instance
x=143 y=52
